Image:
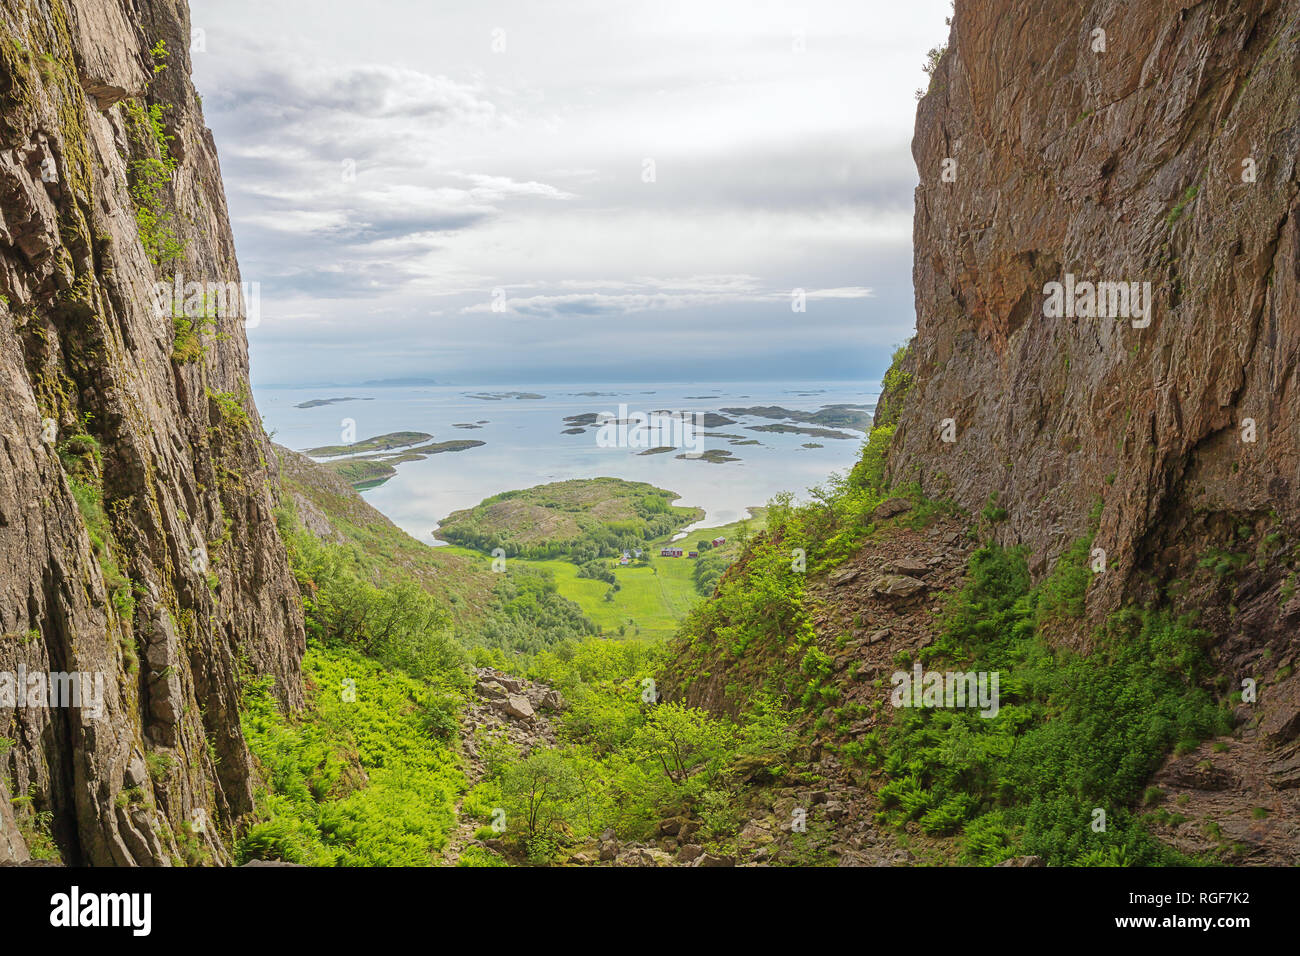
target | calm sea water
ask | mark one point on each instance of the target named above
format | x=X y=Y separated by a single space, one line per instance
x=525 y=444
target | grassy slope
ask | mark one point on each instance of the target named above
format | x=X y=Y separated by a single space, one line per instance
x=370 y=779
x=1074 y=733
x=328 y=506
x=652 y=600
x=352 y=782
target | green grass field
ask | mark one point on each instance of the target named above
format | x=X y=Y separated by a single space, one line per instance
x=652 y=599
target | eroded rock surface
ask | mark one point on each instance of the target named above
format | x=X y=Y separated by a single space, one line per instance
x=136 y=488
x=1151 y=142
x=1123 y=165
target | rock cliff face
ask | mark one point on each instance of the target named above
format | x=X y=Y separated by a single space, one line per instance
x=1168 y=158
x=1117 y=142
x=136 y=486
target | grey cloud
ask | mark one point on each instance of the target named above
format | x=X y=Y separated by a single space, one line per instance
x=459 y=154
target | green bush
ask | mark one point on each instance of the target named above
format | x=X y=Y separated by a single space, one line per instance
x=149 y=177
x=399 y=623
x=350 y=782
x=1074 y=732
x=90 y=502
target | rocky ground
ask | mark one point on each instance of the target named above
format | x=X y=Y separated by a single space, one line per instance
x=502 y=705
x=523 y=712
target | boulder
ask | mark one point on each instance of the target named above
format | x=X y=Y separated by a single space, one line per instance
x=844 y=576
x=690 y=853
x=754 y=832
x=909 y=566
x=896 y=586
x=585 y=856
x=517 y=707
x=891 y=507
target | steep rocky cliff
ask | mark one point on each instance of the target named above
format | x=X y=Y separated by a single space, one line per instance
x=1150 y=142
x=136 y=484
x=1132 y=143
x=1140 y=445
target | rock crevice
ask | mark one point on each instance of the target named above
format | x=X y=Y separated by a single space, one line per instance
x=137 y=539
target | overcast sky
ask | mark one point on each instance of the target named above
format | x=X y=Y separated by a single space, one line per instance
x=396 y=167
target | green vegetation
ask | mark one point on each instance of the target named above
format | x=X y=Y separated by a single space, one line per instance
x=624 y=763
x=894 y=389
x=366 y=774
x=371 y=778
x=159 y=56
x=82 y=459
x=1177 y=212
x=579 y=520
x=931 y=66
x=149 y=177
x=415 y=608
x=380 y=552
x=90 y=502
x=363 y=473
x=993 y=512
x=399 y=624
x=649 y=597
x=1074 y=734
x=530 y=614
x=231 y=409
x=870 y=471
x=35 y=827
x=187 y=342
x=708 y=570
x=364 y=777
x=758 y=625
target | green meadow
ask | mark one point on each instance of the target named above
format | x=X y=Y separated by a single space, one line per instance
x=652 y=598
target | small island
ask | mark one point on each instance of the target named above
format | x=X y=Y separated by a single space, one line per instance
x=800 y=430
x=379 y=443
x=369 y=463
x=318 y=402
x=857 y=417
x=714 y=456
x=574 y=519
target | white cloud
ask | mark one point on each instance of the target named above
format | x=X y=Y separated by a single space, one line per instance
x=378 y=160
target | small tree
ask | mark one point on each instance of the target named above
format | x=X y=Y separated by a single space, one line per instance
x=540 y=791
x=681 y=740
